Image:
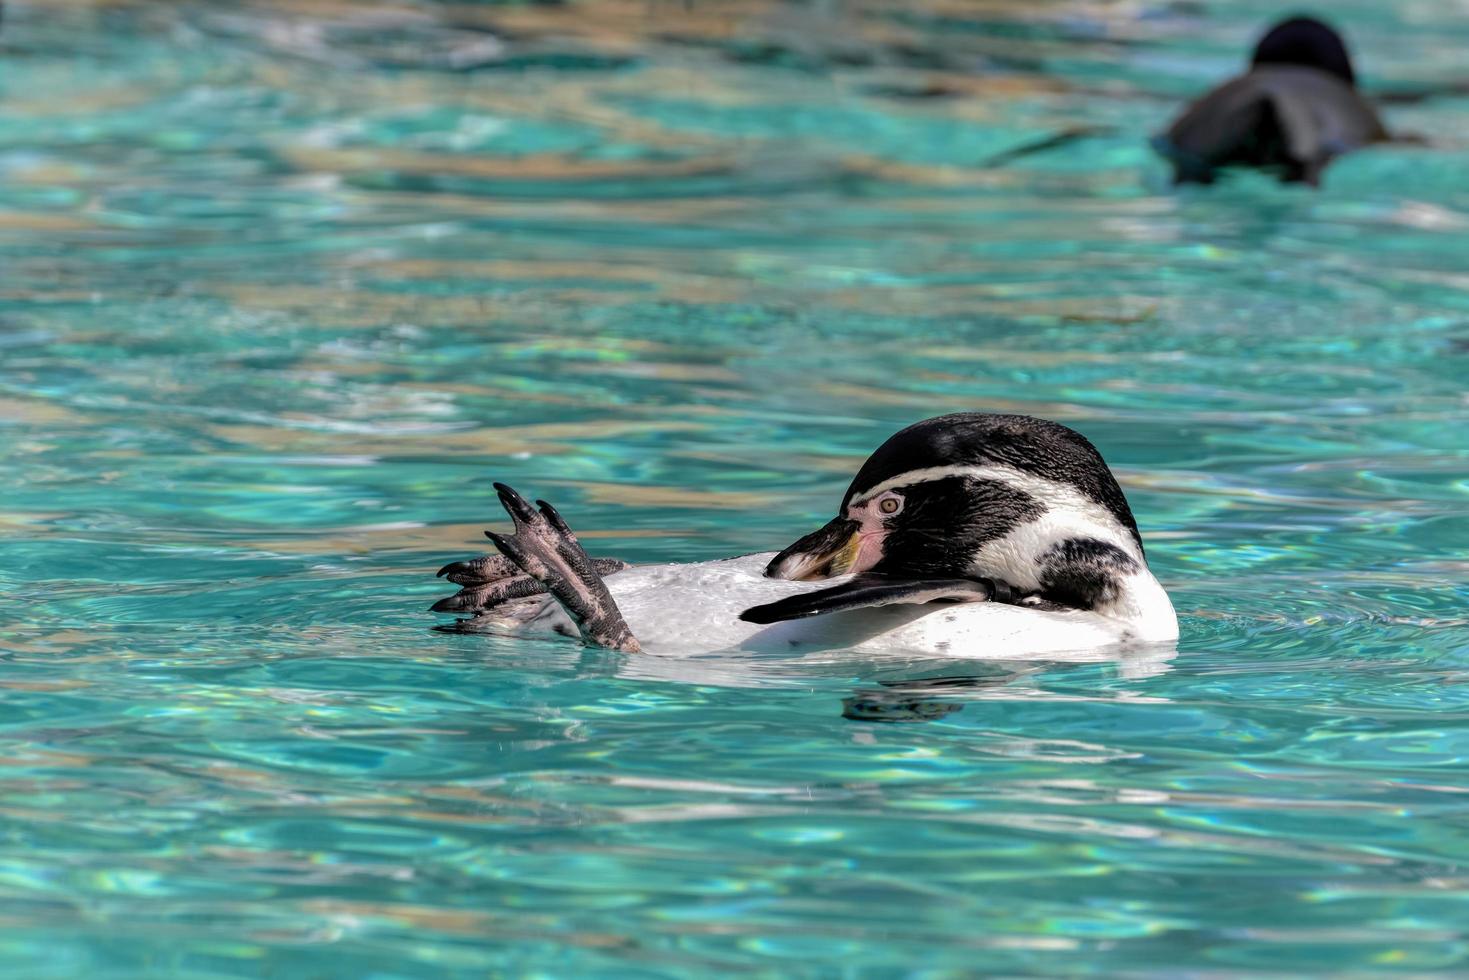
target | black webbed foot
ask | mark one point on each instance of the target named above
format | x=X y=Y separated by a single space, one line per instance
x=544 y=548
x=479 y=571
x=493 y=568
x=476 y=599
x=493 y=580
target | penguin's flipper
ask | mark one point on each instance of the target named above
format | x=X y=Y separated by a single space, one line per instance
x=865 y=591
x=1289 y=117
x=545 y=549
x=1227 y=125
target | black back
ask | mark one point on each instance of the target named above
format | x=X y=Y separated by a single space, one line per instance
x=1305 y=41
x=1035 y=446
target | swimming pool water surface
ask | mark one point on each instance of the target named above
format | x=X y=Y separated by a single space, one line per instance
x=285 y=285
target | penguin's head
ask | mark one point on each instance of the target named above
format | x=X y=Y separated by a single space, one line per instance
x=1005 y=497
x=1308 y=42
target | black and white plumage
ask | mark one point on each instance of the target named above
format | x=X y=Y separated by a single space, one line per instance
x=963 y=535
x=1294 y=111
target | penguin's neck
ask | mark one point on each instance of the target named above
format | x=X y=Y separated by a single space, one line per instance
x=1084 y=564
x=1138 y=600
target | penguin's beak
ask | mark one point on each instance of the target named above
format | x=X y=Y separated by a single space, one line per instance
x=833 y=550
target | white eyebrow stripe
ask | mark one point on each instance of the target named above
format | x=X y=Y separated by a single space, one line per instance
x=924 y=476
x=1051 y=494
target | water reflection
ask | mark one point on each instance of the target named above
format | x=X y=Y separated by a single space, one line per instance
x=894 y=688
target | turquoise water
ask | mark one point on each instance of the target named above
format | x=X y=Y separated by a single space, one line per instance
x=284 y=286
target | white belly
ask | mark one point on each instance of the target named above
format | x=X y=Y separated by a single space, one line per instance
x=693 y=610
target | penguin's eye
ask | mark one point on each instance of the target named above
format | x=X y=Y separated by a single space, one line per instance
x=890 y=505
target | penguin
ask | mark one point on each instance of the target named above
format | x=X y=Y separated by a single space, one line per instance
x=1295 y=110
x=970 y=534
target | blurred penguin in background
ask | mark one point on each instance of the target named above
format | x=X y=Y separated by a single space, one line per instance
x=1294 y=111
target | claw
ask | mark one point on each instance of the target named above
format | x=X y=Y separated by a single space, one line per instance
x=520 y=512
x=510 y=547
x=479 y=571
x=554 y=517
